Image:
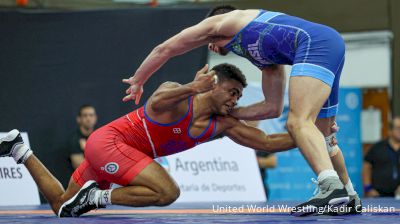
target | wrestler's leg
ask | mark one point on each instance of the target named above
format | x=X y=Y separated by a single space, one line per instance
x=306 y=97
x=12 y=145
x=336 y=155
x=324 y=125
x=152 y=187
x=48 y=185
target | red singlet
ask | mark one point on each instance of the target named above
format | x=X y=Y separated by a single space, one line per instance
x=120 y=150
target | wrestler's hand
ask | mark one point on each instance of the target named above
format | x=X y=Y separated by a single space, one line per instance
x=202 y=71
x=135 y=90
x=334 y=128
x=204 y=81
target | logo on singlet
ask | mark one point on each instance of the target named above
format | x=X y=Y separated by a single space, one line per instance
x=111 y=168
x=255 y=53
x=176 y=130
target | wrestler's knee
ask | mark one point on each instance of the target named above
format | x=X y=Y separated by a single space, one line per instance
x=296 y=122
x=168 y=195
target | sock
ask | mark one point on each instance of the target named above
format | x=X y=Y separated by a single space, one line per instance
x=327 y=173
x=103 y=197
x=21 y=153
x=349 y=188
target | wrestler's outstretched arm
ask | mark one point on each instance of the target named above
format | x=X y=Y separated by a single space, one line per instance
x=251 y=137
x=190 y=38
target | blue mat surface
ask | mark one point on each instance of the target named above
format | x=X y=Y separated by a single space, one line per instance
x=376 y=211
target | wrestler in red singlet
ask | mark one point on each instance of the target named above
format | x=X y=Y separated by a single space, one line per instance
x=120 y=150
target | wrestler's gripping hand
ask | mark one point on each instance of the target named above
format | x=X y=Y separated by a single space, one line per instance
x=204 y=80
x=135 y=90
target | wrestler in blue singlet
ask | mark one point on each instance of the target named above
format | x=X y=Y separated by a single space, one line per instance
x=313 y=49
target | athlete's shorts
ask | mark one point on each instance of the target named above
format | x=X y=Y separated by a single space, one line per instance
x=319 y=54
x=322 y=58
x=108 y=159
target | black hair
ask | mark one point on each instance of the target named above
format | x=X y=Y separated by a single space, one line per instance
x=84 y=106
x=222 y=9
x=227 y=71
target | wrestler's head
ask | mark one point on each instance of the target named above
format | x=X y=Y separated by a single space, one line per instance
x=215 y=46
x=228 y=90
x=218 y=10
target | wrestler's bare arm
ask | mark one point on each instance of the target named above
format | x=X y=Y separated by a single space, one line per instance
x=273 y=85
x=209 y=30
x=206 y=31
x=251 y=137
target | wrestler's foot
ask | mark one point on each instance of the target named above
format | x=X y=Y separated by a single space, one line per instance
x=332 y=194
x=355 y=204
x=12 y=145
x=353 y=207
x=82 y=202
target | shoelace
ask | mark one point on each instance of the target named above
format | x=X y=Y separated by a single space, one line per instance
x=317 y=189
x=96 y=194
x=92 y=197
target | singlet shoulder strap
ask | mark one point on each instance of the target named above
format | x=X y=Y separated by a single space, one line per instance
x=228 y=46
x=214 y=126
x=265 y=16
x=188 y=113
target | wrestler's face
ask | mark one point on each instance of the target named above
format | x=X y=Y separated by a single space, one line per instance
x=225 y=96
x=217 y=49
